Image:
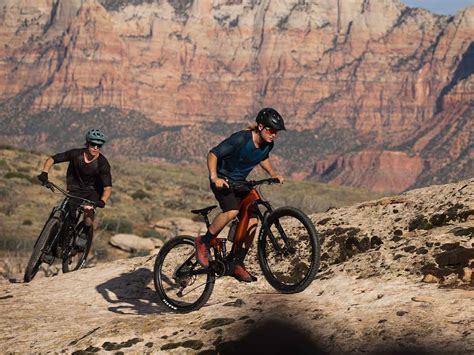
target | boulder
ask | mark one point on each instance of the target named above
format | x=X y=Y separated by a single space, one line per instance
x=131 y=242
x=173 y=226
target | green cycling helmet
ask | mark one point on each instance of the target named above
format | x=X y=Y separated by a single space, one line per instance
x=96 y=136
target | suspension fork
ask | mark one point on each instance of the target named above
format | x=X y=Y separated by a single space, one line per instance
x=265 y=230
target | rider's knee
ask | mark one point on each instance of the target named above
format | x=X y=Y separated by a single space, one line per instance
x=230 y=215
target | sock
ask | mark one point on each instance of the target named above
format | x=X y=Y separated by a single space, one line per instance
x=241 y=254
x=86 y=229
x=206 y=238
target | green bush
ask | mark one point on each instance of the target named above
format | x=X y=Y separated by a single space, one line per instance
x=17 y=175
x=27 y=222
x=12 y=244
x=140 y=195
x=4 y=192
x=137 y=253
x=151 y=233
x=116 y=225
x=24 y=169
x=175 y=205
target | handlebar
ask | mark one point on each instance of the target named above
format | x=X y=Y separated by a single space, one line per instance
x=51 y=185
x=239 y=185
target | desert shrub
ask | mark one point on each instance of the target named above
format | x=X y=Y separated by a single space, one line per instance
x=27 y=222
x=23 y=169
x=101 y=254
x=12 y=244
x=151 y=233
x=120 y=225
x=137 y=253
x=17 y=175
x=3 y=163
x=175 y=204
x=4 y=192
x=140 y=195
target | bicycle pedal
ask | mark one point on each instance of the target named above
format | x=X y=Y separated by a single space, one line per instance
x=48 y=259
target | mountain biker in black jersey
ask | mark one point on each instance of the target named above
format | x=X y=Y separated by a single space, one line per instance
x=230 y=162
x=88 y=176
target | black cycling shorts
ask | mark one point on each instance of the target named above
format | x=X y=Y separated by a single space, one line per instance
x=228 y=200
x=87 y=194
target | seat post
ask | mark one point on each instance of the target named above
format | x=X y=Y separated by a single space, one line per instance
x=206 y=219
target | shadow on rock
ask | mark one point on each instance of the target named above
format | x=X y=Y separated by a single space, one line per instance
x=130 y=293
x=272 y=337
x=279 y=337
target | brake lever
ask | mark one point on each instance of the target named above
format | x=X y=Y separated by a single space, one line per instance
x=49 y=186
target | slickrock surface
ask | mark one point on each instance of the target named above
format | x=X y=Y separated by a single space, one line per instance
x=373 y=294
x=381 y=94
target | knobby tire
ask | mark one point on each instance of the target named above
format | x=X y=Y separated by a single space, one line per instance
x=161 y=280
x=43 y=239
x=279 y=280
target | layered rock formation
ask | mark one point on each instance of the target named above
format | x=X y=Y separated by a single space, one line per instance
x=371 y=82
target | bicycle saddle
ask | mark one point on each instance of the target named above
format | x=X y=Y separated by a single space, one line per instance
x=204 y=211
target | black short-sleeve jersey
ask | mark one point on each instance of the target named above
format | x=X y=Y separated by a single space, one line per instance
x=85 y=176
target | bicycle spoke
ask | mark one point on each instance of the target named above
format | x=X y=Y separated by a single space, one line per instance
x=291 y=265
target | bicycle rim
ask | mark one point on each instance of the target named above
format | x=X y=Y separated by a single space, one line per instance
x=77 y=258
x=291 y=267
x=177 y=288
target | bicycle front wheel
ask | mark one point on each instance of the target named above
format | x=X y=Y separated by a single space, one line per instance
x=181 y=283
x=288 y=250
x=50 y=229
x=76 y=258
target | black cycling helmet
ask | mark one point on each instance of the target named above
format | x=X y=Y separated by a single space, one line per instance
x=96 y=136
x=269 y=117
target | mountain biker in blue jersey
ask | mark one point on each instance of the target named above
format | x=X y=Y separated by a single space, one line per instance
x=231 y=161
x=88 y=176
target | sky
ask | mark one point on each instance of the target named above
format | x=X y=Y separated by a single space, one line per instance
x=440 y=7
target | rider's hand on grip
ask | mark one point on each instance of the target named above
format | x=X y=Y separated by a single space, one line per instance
x=277 y=179
x=100 y=204
x=43 y=178
x=220 y=183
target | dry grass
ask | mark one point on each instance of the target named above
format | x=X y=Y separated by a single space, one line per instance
x=143 y=193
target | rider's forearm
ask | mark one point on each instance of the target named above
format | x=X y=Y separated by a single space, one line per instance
x=48 y=164
x=106 y=194
x=267 y=166
x=212 y=166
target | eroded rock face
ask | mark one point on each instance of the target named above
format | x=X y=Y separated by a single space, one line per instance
x=426 y=234
x=382 y=76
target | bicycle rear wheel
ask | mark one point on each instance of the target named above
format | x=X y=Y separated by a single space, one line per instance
x=181 y=283
x=50 y=229
x=290 y=260
x=76 y=259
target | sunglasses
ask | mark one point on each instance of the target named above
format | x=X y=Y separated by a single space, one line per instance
x=271 y=130
x=93 y=145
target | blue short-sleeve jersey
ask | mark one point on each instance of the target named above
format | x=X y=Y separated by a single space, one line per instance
x=237 y=155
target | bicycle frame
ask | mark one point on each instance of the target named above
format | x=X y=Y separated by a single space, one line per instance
x=63 y=212
x=248 y=207
x=65 y=221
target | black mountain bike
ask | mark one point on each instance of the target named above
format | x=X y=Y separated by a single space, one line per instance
x=57 y=239
x=288 y=253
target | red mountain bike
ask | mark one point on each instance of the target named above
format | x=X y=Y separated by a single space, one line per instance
x=288 y=253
